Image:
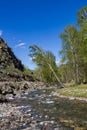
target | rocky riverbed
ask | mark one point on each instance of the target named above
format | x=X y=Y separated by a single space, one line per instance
x=16 y=117
x=13 y=117
x=35 y=106
x=10 y=89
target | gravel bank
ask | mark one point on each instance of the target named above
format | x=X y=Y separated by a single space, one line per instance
x=14 y=117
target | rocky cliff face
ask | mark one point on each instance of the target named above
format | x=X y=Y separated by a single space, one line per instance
x=7 y=57
x=10 y=66
x=12 y=75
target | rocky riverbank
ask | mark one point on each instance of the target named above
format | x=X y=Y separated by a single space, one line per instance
x=22 y=117
x=27 y=109
x=9 y=90
x=69 y=97
x=14 y=116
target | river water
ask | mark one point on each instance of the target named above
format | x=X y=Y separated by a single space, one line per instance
x=67 y=115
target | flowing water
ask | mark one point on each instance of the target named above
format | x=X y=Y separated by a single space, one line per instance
x=69 y=115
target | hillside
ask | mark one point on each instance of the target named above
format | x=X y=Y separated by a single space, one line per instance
x=7 y=57
x=11 y=68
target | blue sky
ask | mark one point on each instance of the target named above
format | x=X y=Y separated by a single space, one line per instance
x=27 y=22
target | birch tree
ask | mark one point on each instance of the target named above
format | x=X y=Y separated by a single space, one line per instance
x=44 y=59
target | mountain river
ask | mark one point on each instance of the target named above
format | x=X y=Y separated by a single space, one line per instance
x=62 y=113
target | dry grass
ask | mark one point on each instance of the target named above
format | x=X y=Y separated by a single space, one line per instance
x=74 y=91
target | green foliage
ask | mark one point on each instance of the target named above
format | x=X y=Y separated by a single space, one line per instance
x=42 y=59
x=46 y=62
x=66 y=72
x=73 y=55
x=82 y=16
x=70 y=48
x=74 y=48
x=37 y=73
x=69 y=38
x=27 y=71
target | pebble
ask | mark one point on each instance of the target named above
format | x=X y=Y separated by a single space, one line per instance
x=12 y=117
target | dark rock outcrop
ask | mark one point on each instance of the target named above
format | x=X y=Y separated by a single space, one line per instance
x=11 y=70
x=7 y=57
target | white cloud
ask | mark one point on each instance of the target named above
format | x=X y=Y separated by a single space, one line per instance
x=1 y=32
x=22 y=44
x=58 y=61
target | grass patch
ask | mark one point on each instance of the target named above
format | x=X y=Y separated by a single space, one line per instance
x=74 y=91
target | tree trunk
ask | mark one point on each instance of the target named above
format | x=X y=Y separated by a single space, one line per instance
x=77 y=74
x=62 y=86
